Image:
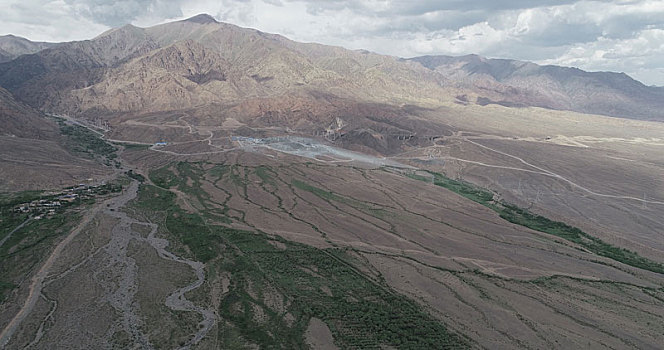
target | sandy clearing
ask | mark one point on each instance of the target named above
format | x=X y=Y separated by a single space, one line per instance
x=319 y=336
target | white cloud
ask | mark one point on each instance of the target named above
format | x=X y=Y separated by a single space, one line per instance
x=39 y=20
x=640 y=56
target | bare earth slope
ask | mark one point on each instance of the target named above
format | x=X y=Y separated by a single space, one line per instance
x=233 y=64
x=19 y=120
x=243 y=213
x=32 y=155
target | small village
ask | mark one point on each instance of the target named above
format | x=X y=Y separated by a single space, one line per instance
x=51 y=202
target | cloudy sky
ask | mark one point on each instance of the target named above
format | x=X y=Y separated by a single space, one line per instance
x=619 y=35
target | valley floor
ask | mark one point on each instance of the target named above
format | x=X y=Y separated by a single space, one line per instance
x=289 y=242
x=236 y=250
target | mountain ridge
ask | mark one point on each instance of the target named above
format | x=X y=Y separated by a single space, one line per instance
x=76 y=77
x=262 y=65
x=12 y=46
x=549 y=86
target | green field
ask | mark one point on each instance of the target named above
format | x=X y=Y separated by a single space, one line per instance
x=80 y=140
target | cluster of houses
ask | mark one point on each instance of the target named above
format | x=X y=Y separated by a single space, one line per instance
x=41 y=207
x=55 y=201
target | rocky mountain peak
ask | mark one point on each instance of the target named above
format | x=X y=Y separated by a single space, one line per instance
x=202 y=18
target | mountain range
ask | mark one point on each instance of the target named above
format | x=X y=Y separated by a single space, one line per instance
x=519 y=83
x=201 y=62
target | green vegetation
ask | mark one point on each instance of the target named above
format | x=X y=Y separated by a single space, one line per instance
x=317 y=191
x=82 y=141
x=24 y=249
x=133 y=145
x=111 y=187
x=536 y=222
x=218 y=171
x=8 y=221
x=8 y=200
x=189 y=229
x=192 y=173
x=193 y=232
x=5 y=287
x=164 y=177
x=320 y=283
x=265 y=174
x=277 y=286
x=465 y=189
x=153 y=199
x=368 y=208
x=522 y=217
x=8 y=218
x=135 y=176
x=237 y=179
x=186 y=177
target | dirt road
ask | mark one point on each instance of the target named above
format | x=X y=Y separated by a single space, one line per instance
x=562 y=178
x=38 y=279
x=120 y=295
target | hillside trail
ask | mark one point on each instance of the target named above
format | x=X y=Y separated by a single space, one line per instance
x=562 y=178
x=2 y=242
x=120 y=295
